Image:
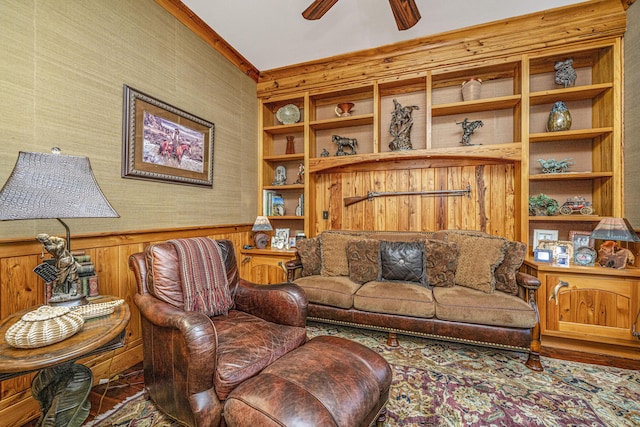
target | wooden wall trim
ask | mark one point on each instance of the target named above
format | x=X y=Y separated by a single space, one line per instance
x=183 y=14
x=486 y=44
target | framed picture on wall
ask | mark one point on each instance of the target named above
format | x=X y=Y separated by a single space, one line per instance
x=164 y=143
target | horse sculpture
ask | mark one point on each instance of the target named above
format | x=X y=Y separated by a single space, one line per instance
x=343 y=142
x=467 y=130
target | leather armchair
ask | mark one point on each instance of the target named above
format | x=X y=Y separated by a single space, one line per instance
x=192 y=361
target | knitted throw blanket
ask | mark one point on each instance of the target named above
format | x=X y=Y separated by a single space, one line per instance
x=204 y=276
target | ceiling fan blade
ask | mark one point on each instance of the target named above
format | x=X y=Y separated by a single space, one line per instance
x=405 y=12
x=318 y=8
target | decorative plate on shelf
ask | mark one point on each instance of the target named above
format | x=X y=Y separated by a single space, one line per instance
x=288 y=114
x=585 y=256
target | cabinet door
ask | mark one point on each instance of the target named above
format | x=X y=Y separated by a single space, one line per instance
x=264 y=269
x=596 y=308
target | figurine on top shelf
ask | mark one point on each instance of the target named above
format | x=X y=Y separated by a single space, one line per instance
x=565 y=74
x=400 y=127
x=468 y=128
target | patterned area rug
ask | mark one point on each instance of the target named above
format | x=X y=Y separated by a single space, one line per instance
x=440 y=384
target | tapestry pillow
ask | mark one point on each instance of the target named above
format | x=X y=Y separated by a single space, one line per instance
x=506 y=271
x=362 y=257
x=334 y=254
x=310 y=256
x=401 y=261
x=441 y=262
x=478 y=259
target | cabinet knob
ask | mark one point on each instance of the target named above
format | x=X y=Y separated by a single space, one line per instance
x=554 y=294
x=245 y=260
x=281 y=264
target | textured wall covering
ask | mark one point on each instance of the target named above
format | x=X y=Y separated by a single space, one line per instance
x=63 y=66
x=632 y=116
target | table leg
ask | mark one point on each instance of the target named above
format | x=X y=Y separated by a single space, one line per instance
x=63 y=393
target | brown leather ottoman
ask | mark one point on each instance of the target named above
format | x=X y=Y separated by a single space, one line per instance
x=328 y=381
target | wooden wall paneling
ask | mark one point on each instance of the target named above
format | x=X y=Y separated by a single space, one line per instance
x=428 y=216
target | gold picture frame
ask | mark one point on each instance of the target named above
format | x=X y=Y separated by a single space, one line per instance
x=164 y=143
x=557 y=247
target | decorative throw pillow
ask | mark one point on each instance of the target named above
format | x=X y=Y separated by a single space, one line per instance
x=401 y=261
x=506 y=271
x=310 y=256
x=362 y=257
x=441 y=262
x=478 y=259
x=334 y=253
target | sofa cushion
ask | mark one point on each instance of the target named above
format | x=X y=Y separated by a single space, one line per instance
x=335 y=291
x=362 y=257
x=310 y=255
x=460 y=304
x=334 y=253
x=441 y=262
x=406 y=299
x=479 y=256
x=401 y=261
x=506 y=271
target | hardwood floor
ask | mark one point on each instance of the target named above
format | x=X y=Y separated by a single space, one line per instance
x=104 y=397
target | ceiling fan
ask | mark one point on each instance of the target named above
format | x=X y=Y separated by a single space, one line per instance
x=405 y=12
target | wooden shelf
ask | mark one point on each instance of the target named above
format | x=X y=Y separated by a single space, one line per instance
x=569 y=94
x=567 y=176
x=342 y=122
x=566 y=218
x=284 y=187
x=284 y=129
x=282 y=217
x=570 y=135
x=284 y=158
x=487 y=104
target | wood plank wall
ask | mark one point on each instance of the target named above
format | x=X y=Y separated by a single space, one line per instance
x=20 y=288
x=491 y=206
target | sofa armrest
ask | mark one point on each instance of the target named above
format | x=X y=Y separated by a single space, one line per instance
x=294 y=269
x=282 y=303
x=196 y=349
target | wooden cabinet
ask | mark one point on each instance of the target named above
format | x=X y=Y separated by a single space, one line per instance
x=588 y=309
x=265 y=266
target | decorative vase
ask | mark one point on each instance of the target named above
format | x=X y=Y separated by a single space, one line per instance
x=471 y=89
x=344 y=109
x=559 y=118
x=291 y=149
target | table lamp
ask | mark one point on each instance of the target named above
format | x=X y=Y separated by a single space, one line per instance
x=611 y=230
x=43 y=186
x=261 y=225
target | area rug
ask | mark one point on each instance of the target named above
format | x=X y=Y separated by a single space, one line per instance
x=441 y=384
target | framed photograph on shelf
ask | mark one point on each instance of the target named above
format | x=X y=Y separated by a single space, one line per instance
x=539 y=234
x=581 y=238
x=561 y=249
x=164 y=143
x=542 y=255
x=280 y=239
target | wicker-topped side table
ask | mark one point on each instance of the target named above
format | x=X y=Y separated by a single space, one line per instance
x=59 y=380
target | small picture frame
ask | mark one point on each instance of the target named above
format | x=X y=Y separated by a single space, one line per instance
x=562 y=259
x=581 y=239
x=542 y=255
x=280 y=239
x=292 y=242
x=539 y=234
x=557 y=247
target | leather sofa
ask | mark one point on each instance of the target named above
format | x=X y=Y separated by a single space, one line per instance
x=452 y=285
x=192 y=361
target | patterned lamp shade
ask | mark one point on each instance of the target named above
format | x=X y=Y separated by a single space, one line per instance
x=615 y=229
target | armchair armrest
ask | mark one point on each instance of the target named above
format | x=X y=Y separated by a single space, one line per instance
x=282 y=303
x=294 y=269
x=197 y=347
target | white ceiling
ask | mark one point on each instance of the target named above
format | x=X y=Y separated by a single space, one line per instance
x=272 y=33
